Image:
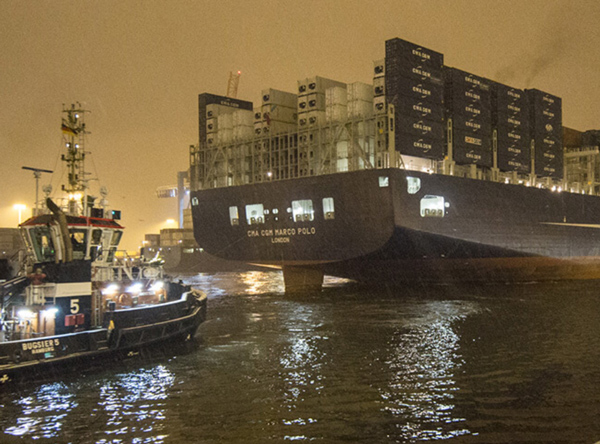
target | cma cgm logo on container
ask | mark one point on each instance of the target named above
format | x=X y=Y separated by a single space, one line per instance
x=422 y=127
x=472 y=95
x=473 y=125
x=514 y=94
x=472 y=80
x=419 y=53
x=472 y=110
x=422 y=73
x=550 y=100
x=514 y=108
x=422 y=145
x=423 y=110
x=548 y=114
x=422 y=91
x=549 y=127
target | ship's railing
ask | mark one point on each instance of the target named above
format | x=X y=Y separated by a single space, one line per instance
x=127 y=268
x=312 y=150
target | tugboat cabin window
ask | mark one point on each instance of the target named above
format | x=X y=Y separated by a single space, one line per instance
x=234 y=216
x=255 y=214
x=96 y=244
x=114 y=242
x=328 y=208
x=79 y=243
x=303 y=210
x=41 y=240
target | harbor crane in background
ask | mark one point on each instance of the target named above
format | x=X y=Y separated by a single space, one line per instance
x=232 y=84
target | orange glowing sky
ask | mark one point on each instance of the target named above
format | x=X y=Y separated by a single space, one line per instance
x=139 y=66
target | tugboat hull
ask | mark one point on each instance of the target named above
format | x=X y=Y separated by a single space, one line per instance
x=131 y=329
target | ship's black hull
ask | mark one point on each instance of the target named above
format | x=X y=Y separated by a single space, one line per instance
x=393 y=226
x=182 y=260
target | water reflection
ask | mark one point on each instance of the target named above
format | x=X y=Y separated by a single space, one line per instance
x=424 y=358
x=134 y=404
x=302 y=362
x=129 y=405
x=43 y=412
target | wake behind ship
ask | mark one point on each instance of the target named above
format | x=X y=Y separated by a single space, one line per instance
x=430 y=174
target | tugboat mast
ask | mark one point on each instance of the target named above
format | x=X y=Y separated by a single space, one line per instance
x=73 y=129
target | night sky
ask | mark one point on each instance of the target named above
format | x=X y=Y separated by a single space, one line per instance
x=139 y=66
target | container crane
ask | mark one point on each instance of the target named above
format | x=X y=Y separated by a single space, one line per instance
x=232 y=84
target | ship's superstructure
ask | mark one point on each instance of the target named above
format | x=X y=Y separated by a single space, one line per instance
x=418 y=115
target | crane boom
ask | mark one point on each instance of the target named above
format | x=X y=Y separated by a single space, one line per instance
x=232 y=84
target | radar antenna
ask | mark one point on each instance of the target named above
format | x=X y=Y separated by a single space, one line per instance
x=37 y=173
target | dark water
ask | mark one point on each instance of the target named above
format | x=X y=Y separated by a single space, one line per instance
x=351 y=365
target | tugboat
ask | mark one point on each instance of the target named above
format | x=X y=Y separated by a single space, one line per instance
x=75 y=301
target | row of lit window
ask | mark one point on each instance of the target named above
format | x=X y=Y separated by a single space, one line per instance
x=300 y=211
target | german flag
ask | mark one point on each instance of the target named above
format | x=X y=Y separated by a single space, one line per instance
x=66 y=129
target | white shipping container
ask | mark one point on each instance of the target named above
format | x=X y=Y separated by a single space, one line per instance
x=214 y=110
x=211 y=125
x=336 y=96
x=225 y=121
x=302 y=120
x=316 y=102
x=279 y=127
x=379 y=68
x=277 y=97
x=258 y=126
x=379 y=86
x=303 y=87
x=360 y=109
x=360 y=91
x=225 y=136
x=243 y=132
x=379 y=105
x=316 y=118
x=243 y=117
x=280 y=113
x=341 y=149
x=302 y=104
x=342 y=165
x=336 y=113
x=320 y=84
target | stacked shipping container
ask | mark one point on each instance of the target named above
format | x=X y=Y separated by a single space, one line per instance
x=278 y=111
x=468 y=104
x=413 y=83
x=510 y=118
x=426 y=96
x=545 y=123
x=312 y=100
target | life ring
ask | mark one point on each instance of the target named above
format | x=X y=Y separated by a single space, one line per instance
x=124 y=299
x=150 y=272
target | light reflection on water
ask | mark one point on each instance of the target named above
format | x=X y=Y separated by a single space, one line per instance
x=130 y=405
x=348 y=365
x=423 y=361
x=43 y=412
x=134 y=404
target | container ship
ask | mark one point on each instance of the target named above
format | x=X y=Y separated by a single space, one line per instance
x=429 y=174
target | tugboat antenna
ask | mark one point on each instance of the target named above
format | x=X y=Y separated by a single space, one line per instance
x=37 y=173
